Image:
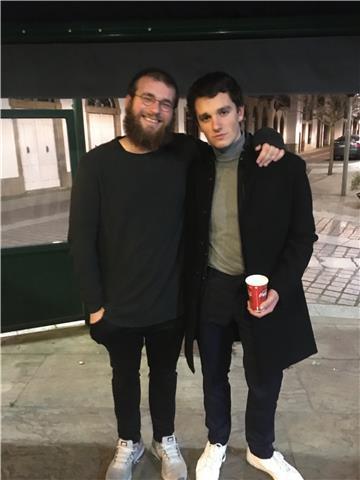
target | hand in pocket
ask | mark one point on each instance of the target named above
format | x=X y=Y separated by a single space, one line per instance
x=97 y=316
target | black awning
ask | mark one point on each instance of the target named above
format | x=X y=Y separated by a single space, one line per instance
x=262 y=66
x=92 y=49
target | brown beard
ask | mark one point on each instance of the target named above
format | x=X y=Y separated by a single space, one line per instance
x=140 y=137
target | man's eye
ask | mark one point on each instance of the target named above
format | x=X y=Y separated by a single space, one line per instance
x=223 y=112
x=148 y=98
x=166 y=104
x=204 y=118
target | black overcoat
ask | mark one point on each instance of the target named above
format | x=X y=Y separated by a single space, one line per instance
x=277 y=233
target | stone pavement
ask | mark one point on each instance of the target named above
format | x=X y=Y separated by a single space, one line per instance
x=332 y=277
x=58 y=421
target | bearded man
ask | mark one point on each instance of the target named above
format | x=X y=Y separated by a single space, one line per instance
x=126 y=226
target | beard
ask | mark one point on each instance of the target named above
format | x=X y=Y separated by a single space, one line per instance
x=143 y=138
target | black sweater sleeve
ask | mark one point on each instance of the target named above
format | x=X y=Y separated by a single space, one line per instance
x=83 y=232
x=268 y=135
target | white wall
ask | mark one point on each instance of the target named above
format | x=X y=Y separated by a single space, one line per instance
x=9 y=165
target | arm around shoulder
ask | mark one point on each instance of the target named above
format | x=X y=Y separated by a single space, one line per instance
x=270 y=136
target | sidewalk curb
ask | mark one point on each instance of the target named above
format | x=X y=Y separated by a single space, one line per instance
x=339 y=311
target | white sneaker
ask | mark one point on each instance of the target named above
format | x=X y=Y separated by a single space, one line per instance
x=210 y=462
x=126 y=455
x=276 y=466
x=173 y=466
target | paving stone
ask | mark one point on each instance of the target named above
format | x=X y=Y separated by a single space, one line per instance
x=354 y=291
x=315 y=290
x=344 y=301
x=322 y=223
x=338 y=263
x=325 y=278
x=339 y=283
x=320 y=285
x=327 y=299
x=334 y=288
x=348 y=296
x=310 y=296
x=332 y=294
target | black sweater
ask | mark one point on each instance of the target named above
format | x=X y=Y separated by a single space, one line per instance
x=126 y=221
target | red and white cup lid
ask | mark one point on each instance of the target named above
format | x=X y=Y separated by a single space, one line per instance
x=256 y=280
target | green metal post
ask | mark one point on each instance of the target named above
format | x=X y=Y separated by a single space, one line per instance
x=79 y=126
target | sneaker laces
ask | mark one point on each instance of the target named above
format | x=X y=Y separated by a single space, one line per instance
x=282 y=463
x=172 y=451
x=213 y=454
x=124 y=454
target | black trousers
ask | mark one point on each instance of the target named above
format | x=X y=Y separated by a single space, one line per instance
x=221 y=321
x=163 y=344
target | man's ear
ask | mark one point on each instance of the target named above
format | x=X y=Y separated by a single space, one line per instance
x=241 y=111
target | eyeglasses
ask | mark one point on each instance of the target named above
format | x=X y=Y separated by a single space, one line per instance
x=147 y=100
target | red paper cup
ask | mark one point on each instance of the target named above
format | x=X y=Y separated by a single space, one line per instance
x=257 y=290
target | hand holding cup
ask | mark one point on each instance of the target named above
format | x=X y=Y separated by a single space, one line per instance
x=261 y=301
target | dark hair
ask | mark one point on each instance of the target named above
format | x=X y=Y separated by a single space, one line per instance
x=210 y=85
x=156 y=74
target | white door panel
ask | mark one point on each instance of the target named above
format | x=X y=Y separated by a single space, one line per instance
x=38 y=153
x=9 y=165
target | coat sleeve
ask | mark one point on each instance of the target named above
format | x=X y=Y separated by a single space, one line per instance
x=191 y=238
x=83 y=232
x=301 y=236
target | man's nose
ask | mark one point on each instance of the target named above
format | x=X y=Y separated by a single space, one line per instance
x=155 y=106
x=215 y=124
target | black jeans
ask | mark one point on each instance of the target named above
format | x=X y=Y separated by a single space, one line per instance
x=220 y=322
x=163 y=344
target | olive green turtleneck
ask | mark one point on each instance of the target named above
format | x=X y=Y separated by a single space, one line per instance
x=225 y=252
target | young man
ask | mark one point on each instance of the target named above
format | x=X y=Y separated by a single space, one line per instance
x=243 y=220
x=126 y=223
